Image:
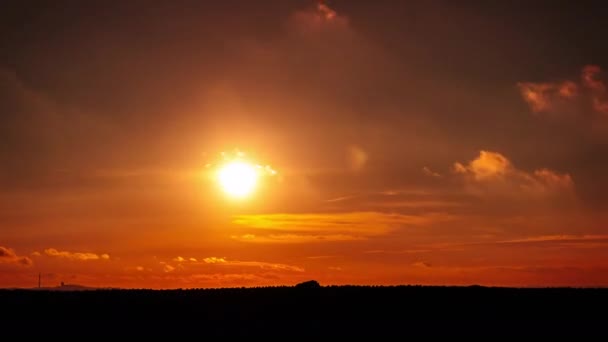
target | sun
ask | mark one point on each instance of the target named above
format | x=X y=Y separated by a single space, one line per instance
x=238 y=178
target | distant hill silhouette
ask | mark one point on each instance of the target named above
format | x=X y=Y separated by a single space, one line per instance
x=311 y=284
x=70 y=287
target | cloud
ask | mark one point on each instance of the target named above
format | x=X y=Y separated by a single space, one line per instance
x=324 y=227
x=168 y=268
x=591 y=80
x=570 y=240
x=422 y=264
x=8 y=256
x=260 y=264
x=539 y=96
x=488 y=165
x=357 y=157
x=493 y=172
x=319 y=18
x=214 y=260
x=549 y=97
x=52 y=252
x=325 y=11
x=430 y=172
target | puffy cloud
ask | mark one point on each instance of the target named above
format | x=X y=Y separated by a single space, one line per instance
x=568 y=90
x=214 y=260
x=8 y=256
x=180 y=259
x=80 y=256
x=422 y=264
x=168 y=268
x=539 y=96
x=590 y=79
x=546 y=96
x=494 y=172
x=487 y=165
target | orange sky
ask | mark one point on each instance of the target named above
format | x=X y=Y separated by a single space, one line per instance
x=409 y=148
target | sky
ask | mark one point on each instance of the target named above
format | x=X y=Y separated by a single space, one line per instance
x=411 y=142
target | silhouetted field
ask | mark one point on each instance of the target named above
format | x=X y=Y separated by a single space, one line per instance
x=294 y=312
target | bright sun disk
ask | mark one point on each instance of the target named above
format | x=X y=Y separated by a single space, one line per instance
x=238 y=178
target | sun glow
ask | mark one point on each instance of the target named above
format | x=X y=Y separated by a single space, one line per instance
x=238 y=179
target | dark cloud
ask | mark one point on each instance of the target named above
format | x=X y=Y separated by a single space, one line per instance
x=9 y=256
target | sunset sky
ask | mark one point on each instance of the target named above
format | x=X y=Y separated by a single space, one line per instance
x=395 y=142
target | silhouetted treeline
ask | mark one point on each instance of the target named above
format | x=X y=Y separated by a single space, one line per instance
x=292 y=312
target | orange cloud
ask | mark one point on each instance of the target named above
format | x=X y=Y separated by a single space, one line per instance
x=537 y=95
x=8 y=256
x=581 y=240
x=496 y=172
x=546 y=96
x=301 y=228
x=430 y=172
x=590 y=79
x=357 y=157
x=52 y=252
x=322 y=17
x=487 y=165
x=568 y=90
x=325 y=11
x=214 y=260
x=168 y=268
x=260 y=264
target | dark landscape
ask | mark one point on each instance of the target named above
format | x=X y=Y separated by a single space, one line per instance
x=291 y=312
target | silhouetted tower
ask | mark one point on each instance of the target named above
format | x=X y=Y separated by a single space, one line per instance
x=39 y=276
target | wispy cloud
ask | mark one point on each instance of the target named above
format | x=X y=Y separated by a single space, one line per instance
x=301 y=228
x=8 y=256
x=259 y=264
x=80 y=256
x=568 y=239
x=427 y=171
